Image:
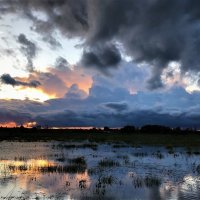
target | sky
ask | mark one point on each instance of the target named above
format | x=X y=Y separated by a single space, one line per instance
x=95 y=63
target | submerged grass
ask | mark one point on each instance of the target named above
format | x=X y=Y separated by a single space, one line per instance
x=120 y=145
x=147 y=181
x=61 y=159
x=107 y=180
x=80 y=146
x=108 y=163
x=71 y=168
x=76 y=165
x=190 y=152
x=158 y=155
x=198 y=169
x=79 y=161
x=140 y=154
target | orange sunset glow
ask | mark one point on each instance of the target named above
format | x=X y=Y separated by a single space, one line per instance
x=8 y=124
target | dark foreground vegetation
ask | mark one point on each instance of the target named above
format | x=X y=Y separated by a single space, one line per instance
x=146 y=135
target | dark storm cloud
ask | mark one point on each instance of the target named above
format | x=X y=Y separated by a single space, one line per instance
x=51 y=84
x=198 y=82
x=7 y=52
x=29 y=49
x=61 y=63
x=105 y=103
x=155 y=81
x=54 y=44
x=69 y=17
x=14 y=116
x=152 y=31
x=101 y=57
x=121 y=108
x=7 y=79
x=100 y=119
x=117 y=106
x=75 y=93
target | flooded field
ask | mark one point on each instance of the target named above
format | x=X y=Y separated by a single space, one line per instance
x=62 y=170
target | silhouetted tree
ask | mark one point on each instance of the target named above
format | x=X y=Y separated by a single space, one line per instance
x=106 y=128
x=128 y=129
x=177 y=130
x=22 y=127
x=155 y=129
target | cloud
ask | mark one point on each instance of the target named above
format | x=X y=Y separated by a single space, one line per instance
x=7 y=79
x=61 y=63
x=17 y=116
x=129 y=76
x=101 y=57
x=58 y=80
x=54 y=44
x=51 y=84
x=117 y=106
x=198 y=82
x=120 y=107
x=118 y=120
x=7 y=52
x=72 y=74
x=153 y=32
x=75 y=93
x=62 y=79
x=29 y=49
x=121 y=98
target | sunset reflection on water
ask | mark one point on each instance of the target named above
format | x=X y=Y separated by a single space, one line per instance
x=66 y=171
x=30 y=177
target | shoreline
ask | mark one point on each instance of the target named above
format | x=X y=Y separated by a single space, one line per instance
x=188 y=139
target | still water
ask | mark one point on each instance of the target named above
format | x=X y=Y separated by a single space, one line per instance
x=62 y=170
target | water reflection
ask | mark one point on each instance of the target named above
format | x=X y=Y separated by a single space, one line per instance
x=11 y=167
x=59 y=172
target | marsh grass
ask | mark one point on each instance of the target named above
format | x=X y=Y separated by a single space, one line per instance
x=94 y=171
x=20 y=158
x=61 y=159
x=138 y=138
x=82 y=184
x=147 y=181
x=196 y=153
x=75 y=169
x=190 y=152
x=170 y=149
x=72 y=168
x=119 y=145
x=140 y=154
x=137 y=182
x=78 y=161
x=151 y=181
x=102 y=184
x=77 y=165
x=126 y=159
x=78 y=146
x=198 y=169
x=107 y=180
x=108 y=163
x=158 y=155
